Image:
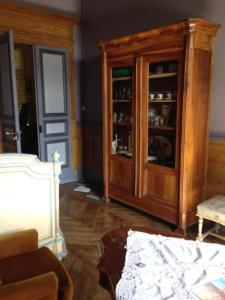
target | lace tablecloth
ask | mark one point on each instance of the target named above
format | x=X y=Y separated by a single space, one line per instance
x=165 y=268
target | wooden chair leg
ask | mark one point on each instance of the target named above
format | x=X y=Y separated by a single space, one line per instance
x=217 y=227
x=200 y=225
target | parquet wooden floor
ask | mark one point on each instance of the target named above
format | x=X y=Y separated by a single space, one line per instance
x=84 y=222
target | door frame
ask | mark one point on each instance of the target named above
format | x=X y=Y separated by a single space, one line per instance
x=11 y=124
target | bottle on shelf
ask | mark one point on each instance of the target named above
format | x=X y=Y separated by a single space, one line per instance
x=115 y=144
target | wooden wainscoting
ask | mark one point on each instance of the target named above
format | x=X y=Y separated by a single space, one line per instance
x=92 y=148
x=216 y=168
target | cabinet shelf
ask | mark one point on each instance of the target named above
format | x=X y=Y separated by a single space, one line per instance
x=169 y=128
x=162 y=101
x=120 y=156
x=121 y=78
x=121 y=101
x=163 y=75
x=122 y=123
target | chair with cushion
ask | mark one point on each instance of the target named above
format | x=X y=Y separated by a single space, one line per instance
x=31 y=273
x=212 y=209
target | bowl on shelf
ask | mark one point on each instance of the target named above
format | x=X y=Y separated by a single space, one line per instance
x=167 y=96
x=151 y=96
x=159 y=96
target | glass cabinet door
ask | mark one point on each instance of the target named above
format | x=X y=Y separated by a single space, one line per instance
x=162 y=92
x=122 y=111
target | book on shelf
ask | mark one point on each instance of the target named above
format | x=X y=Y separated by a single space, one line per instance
x=213 y=290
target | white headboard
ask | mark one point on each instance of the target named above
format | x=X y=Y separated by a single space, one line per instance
x=29 y=197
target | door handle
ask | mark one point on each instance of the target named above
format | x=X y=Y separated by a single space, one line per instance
x=9 y=133
x=14 y=135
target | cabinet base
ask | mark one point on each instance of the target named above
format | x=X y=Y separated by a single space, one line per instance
x=154 y=207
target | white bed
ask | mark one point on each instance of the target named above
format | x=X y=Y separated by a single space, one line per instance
x=29 y=197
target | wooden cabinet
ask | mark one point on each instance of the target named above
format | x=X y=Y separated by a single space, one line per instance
x=156 y=97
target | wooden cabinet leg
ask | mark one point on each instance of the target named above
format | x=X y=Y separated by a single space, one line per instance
x=106 y=199
x=217 y=227
x=200 y=225
x=181 y=231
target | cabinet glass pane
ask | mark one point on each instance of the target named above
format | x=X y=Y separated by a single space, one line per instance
x=122 y=101
x=162 y=112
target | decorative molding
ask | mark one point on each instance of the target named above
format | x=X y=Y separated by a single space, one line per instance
x=151 y=36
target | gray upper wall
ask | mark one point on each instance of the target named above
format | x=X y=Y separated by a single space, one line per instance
x=109 y=19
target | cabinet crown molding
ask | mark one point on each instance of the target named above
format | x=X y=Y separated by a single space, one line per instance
x=186 y=27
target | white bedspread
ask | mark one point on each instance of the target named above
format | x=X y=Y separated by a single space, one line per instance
x=158 y=267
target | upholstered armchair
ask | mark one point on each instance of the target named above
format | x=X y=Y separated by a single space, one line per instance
x=28 y=272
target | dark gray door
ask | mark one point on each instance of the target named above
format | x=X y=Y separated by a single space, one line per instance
x=52 y=106
x=9 y=117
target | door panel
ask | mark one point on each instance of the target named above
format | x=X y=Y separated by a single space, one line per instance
x=121 y=174
x=161 y=115
x=62 y=147
x=53 y=81
x=53 y=106
x=10 y=137
x=121 y=126
x=161 y=186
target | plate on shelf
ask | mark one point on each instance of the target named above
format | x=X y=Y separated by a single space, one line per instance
x=129 y=154
x=164 y=146
x=121 y=152
x=152 y=158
